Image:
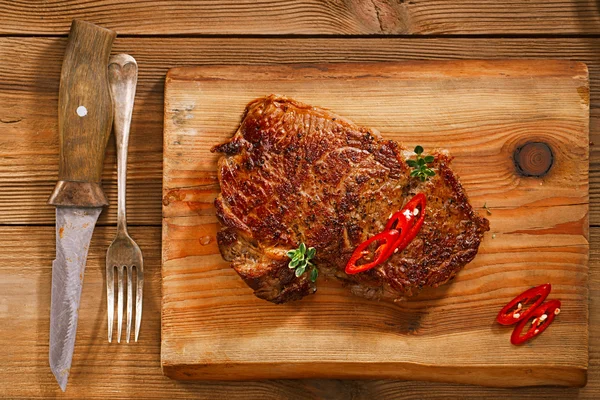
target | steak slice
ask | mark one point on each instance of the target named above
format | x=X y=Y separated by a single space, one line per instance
x=293 y=173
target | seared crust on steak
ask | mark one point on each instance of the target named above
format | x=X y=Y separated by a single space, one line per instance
x=293 y=173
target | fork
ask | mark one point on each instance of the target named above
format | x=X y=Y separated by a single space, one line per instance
x=123 y=253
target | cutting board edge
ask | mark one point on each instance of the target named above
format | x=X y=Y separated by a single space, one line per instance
x=224 y=72
x=499 y=377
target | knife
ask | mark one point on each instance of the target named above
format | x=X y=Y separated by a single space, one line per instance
x=84 y=124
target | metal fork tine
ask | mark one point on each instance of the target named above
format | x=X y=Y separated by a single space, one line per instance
x=129 y=301
x=110 y=298
x=139 y=296
x=119 y=302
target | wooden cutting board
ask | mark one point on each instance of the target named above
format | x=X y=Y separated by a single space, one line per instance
x=485 y=113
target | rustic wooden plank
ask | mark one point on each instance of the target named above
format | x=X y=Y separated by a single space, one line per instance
x=28 y=105
x=214 y=328
x=103 y=371
x=331 y=17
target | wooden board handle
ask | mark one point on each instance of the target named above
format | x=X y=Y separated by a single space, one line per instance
x=84 y=116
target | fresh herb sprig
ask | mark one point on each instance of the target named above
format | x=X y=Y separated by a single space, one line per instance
x=421 y=170
x=300 y=261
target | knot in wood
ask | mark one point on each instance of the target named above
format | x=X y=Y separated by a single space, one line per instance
x=533 y=159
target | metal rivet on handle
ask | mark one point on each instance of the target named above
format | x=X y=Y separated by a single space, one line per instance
x=81 y=111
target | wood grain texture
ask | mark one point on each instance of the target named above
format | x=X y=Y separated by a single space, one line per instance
x=29 y=79
x=326 y=17
x=28 y=104
x=214 y=328
x=102 y=370
x=84 y=83
x=85 y=117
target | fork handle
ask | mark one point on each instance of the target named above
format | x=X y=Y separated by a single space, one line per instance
x=122 y=77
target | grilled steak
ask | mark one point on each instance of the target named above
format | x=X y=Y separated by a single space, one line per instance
x=293 y=173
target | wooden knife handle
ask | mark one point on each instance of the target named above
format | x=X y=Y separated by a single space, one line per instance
x=85 y=116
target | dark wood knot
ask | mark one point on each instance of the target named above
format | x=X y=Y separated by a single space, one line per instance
x=533 y=159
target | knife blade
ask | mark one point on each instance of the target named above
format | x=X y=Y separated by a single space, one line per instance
x=84 y=125
x=74 y=228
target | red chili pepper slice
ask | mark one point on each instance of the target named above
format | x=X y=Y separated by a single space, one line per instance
x=542 y=318
x=402 y=227
x=387 y=239
x=409 y=219
x=400 y=230
x=523 y=305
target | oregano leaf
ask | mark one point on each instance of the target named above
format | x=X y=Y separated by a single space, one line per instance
x=302 y=249
x=300 y=260
x=299 y=271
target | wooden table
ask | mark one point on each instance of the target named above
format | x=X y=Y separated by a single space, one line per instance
x=165 y=34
